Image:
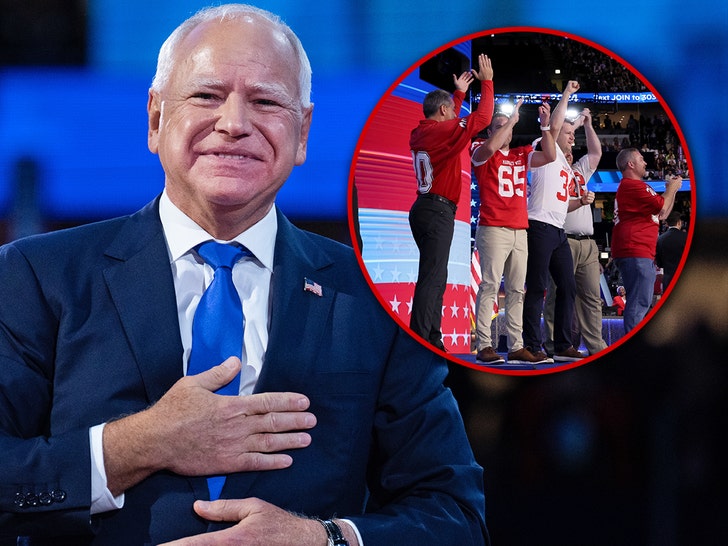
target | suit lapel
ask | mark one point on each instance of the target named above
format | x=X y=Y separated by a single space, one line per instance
x=297 y=324
x=298 y=316
x=141 y=285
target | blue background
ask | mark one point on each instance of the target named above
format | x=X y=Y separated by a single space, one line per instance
x=87 y=127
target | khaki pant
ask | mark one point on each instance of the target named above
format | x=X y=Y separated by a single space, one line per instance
x=588 y=307
x=503 y=254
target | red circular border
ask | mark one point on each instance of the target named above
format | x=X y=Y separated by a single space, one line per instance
x=492 y=369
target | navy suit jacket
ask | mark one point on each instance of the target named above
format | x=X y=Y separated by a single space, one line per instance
x=89 y=333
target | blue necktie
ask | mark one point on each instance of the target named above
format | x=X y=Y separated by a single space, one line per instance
x=217 y=327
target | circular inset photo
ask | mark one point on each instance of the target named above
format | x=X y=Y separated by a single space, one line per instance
x=522 y=201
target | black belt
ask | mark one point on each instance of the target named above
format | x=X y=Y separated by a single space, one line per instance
x=439 y=198
x=578 y=237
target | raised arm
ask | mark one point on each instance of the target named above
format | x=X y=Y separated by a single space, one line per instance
x=485 y=68
x=559 y=114
x=547 y=153
x=483 y=115
x=593 y=144
x=672 y=185
x=463 y=81
x=498 y=137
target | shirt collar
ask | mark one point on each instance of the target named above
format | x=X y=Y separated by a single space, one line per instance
x=183 y=234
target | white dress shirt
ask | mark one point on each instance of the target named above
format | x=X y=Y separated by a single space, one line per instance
x=251 y=277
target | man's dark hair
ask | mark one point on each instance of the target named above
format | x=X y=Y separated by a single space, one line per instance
x=673 y=218
x=433 y=101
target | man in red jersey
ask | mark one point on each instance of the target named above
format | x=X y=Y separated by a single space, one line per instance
x=637 y=214
x=501 y=237
x=436 y=144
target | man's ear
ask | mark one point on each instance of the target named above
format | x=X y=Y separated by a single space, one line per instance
x=154 y=113
x=303 y=138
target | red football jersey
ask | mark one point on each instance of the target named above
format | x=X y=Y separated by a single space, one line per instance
x=636 y=224
x=502 y=187
x=436 y=145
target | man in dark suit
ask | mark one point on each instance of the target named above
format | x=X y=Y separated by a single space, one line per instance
x=670 y=247
x=107 y=440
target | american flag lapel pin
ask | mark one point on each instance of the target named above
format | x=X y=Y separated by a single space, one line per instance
x=313 y=287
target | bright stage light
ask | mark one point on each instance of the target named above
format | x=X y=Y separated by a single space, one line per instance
x=506 y=108
x=572 y=114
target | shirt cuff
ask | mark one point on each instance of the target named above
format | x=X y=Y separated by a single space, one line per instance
x=102 y=499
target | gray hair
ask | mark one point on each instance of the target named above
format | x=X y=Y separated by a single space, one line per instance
x=624 y=157
x=433 y=100
x=165 y=60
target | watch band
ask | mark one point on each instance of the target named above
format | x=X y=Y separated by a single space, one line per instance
x=333 y=531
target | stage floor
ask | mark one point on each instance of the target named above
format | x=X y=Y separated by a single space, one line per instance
x=612 y=331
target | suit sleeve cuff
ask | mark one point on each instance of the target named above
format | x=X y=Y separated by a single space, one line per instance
x=102 y=500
